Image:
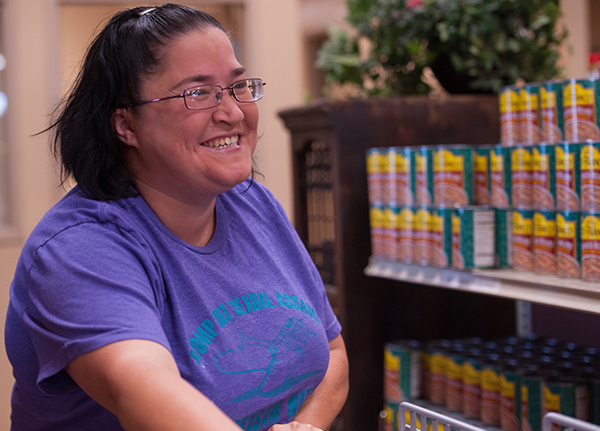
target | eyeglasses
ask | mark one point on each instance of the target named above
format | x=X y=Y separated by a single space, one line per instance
x=210 y=95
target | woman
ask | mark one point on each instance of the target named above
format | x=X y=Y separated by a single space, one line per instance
x=167 y=291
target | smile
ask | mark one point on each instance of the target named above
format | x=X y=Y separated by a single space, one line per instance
x=222 y=143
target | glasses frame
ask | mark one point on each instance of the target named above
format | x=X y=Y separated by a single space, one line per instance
x=219 y=95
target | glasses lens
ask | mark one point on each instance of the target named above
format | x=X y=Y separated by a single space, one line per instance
x=248 y=90
x=202 y=97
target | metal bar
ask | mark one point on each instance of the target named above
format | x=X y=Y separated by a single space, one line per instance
x=566 y=421
x=447 y=421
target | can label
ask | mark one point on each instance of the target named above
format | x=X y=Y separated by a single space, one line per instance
x=567 y=176
x=532 y=393
x=521 y=176
x=374 y=176
x=391 y=420
x=422 y=236
x=509 y=115
x=405 y=235
x=590 y=246
x=580 y=110
x=500 y=180
x=441 y=237
x=590 y=175
x=438 y=378
x=398 y=178
x=452 y=171
x=481 y=172
x=390 y=233
x=568 y=247
x=543 y=176
x=570 y=399
x=471 y=372
x=376 y=225
x=473 y=237
x=552 y=112
x=522 y=240
x=530 y=115
x=503 y=238
x=402 y=372
x=490 y=396
x=454 y=389
x=423 y=175
x=544 y=242
x=510 y=401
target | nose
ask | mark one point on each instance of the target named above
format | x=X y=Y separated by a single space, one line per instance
x=229 y=109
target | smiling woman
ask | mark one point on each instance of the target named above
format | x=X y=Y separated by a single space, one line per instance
x=125 y=306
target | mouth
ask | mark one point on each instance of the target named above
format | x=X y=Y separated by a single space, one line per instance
x=230 y=141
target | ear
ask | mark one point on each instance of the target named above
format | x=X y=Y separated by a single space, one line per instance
x=122 y=122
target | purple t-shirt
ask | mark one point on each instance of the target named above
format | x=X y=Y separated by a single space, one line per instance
x=246 y=317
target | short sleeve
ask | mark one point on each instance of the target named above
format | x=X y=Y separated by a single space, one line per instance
x=88 y=286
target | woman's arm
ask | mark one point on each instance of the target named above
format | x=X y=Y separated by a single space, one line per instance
x=138 y=381
x=325 y=402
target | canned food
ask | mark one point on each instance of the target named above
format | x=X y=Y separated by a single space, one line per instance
x=438 y=375
x=423 y=175
x=405 y=235
x=568 y=396
x=402 y=371
x=500 y=169
x=503 y=238
x=544 y=242
x=522 y=239
x=473 y=237
x=421 y=236
x=530 y=115
x=454 y=390
x=589 y=157
x=398 y=178
x=390 y=233
x=568 y=244
x=390 y=417
x=580 y=105
x=481 y=174
x=441 y=237
x=532 y=404
x=377 y=233
x=374 y=176
x=552 y=112
x=452 y=175
x=510 y=398
x=490 y=392
x=509 y=115
x=471 y=375
x=567 y=175
x=521 y=176
x=543 y=175
x=590 y=245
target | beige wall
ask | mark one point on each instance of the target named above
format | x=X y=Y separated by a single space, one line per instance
x=44 y=41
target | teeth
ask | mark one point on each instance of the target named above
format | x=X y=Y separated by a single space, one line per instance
x=222 y=143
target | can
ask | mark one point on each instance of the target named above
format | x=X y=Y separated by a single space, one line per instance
x=503 y=238
x=390 y=232
x=590 y=245
x=452 y=175
x=589 y=157
x=421 y=235
x=544 y=242
x=471 y=375
x=551 y=99
x=473 y=237
x=567 y=396
x=481 y=173
x=374 y=176
x=510 y=397
x=397 y=186
x=500 y=178
x=390 y=416
x=543 y=175
x=376 y=226
x=423 y=175
x=568 y=244
x=509 y=115
x=405 y=235
x=490 y=391
x=402 y=371
x=532 y=396
x=454 y=390
x=522 y=239
x=438 y=372
x=530 y=118
x=567 y=175
x=580 y=110
x=521 y=176
x=441 y=237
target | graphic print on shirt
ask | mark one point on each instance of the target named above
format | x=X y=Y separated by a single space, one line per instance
x=276 y=359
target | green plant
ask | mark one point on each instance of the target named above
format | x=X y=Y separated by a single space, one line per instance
x=470 y=45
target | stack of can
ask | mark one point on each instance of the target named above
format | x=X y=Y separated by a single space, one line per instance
x=508 y=383
x=530 y=202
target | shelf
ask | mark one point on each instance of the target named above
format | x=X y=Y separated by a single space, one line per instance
x=548 y=290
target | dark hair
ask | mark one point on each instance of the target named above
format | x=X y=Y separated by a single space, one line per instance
x=129 y=47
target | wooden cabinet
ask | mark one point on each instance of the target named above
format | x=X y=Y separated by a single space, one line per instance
x=329 y=143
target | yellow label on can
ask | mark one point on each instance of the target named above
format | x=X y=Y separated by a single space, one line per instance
x=524 y=395
x=539 y=161
x=400 y=163
x=481 y=163
x=564 y=161
x=438 y=363
x=420 y=163
x=577 y=94
x=521 y=225
x=590 y=228
x=455 y=219
x=490 y=380
x=543 y=226
x=422 y=219
x=521 y=160
x=376 y=217
x=471 y=375
x=453 y=370
x=405 y=219
x=551 y=401
x=565 y=229
x=509 y=101
x=548 y=98
x=445 y=161
x=507 y=388
x=389 y=220
x=590 y=158
x=496 y=162
x=374 y=163
x=391 y=361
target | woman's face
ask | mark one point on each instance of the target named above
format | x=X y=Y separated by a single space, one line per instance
x=175 y=151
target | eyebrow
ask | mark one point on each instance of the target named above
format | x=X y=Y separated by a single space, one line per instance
x=238 y=71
